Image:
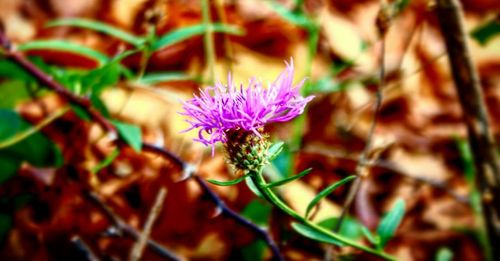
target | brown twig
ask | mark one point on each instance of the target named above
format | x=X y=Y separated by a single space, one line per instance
x=475 y=114
x=361 y=167
x=123 y=228
x=139 y=246
x=395 y=169
x=47 y=81
x=85 y=250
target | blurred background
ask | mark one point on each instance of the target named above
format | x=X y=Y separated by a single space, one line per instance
x=419 y=147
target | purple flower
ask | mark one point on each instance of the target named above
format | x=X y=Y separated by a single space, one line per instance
x=221 y=108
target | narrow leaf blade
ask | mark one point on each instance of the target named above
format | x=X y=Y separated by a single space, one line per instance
x=227 y=183
x=327 y=191
x=275 y=150
x=100 y=27
x=390 y=222
x=252 y=187
x=368 y=235
x=107 y=161
x=190 y=31
x=313 y=234
x=290 y=179
x=59 y=45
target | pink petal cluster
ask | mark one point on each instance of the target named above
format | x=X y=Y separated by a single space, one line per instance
x=220 y=108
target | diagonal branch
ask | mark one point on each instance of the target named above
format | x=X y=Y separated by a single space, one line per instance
x=47 y=81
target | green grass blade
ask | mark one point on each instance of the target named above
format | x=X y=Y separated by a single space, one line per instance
x=227 y=183
x=100 y=27
x=326 y=192
x=190 y=31
x=59 y=45
x=308 y=232
x=153 y=78
x=290 y=179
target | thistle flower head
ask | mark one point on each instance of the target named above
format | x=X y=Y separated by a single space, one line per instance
x=220 y=108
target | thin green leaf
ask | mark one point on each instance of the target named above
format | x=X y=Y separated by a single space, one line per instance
x=390 y=222
x=227 y=183
x=295 y=17
x=368 y=235
x=100 y=27
x=8 y=166
x=326 y=192
x=487 y=31
x=350 y=227
x=252 y=187
x=275 y=150
x=444 y=254
x=35 y=148
x=289 y=179
x=315 y=235
x=108 y=160
x=66 y=46
x=153 y=78
x=190 y=31
x=130 y=133
x=25 y=133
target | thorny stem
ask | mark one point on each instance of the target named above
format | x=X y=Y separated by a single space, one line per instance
x=261 y=184
x=84 y=103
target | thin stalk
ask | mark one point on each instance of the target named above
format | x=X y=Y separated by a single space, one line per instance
x=260 y=183
x=208 y=41
x=30 y=131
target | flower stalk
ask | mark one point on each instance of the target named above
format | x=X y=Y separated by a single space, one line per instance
x=261 y=184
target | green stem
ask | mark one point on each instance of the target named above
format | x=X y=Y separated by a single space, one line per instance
x=261 y=185
x=208 y=41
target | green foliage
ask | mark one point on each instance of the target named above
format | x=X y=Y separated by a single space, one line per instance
x=444 y=254
x=296 y=17
x=130 y=133
x=11 y=70
x=259 y=213
x=59 y=45
x=252 y=187
x=107 y=161
x=374 y=239
x=289 y=179
x=311 y=233
x=390 y=222
x=275 y=150
x=325 y=192
x=36 y=149
x=100 y=27
x=284 y=161
x=8 y=166
x=350 y=227
x=487 y=31
x=190 y=31
x=228 y=183
x=153 y=78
